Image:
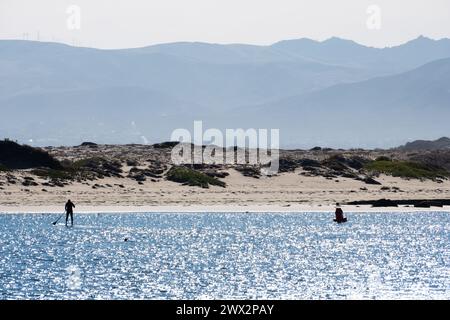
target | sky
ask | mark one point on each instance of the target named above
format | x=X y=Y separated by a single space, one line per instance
x=136 y=23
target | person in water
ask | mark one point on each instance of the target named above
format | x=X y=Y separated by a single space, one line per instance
x=339 y=214
x=69 y=211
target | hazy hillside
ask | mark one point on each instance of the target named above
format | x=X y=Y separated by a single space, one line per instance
x=86 y=114
x=377 y=112
x=221 y=82
x=418 y=145
x=383 y=61
x=57 y=94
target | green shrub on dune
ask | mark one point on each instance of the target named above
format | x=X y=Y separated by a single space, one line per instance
x=383 y=158
x=54 y=174
x=93 y=162
x=101 y=167
x=192 y=177
x=406 y=169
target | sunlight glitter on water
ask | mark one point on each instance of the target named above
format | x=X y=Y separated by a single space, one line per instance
x=226 y=256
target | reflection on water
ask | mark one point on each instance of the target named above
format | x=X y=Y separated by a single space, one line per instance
x=221 y=256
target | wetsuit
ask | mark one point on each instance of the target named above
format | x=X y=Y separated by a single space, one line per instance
x=69 y=211
x=339 y=215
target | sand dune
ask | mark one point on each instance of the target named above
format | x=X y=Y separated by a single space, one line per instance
x=285 y=192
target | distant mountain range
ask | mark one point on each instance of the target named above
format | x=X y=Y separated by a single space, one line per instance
x=335 y=93
x=418 y=145
x=381 y=110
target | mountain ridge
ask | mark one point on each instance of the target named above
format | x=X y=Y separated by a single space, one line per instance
x=417 y=99
x=417 y=145
x=170 y=85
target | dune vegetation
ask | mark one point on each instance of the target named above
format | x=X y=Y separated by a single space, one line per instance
x=192 y=177
x=406 y=169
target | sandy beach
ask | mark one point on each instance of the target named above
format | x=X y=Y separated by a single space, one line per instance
x=286 y=192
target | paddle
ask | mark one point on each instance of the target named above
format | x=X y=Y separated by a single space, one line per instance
x=54 y=223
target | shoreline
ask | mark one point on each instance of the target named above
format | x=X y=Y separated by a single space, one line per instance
x=287 y=192
x=217 y=209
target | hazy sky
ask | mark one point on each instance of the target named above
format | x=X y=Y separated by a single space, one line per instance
x=134 y=23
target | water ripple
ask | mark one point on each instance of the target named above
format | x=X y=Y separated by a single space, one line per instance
x=226 y=256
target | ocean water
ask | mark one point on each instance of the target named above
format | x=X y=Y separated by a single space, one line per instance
x=226 y=256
